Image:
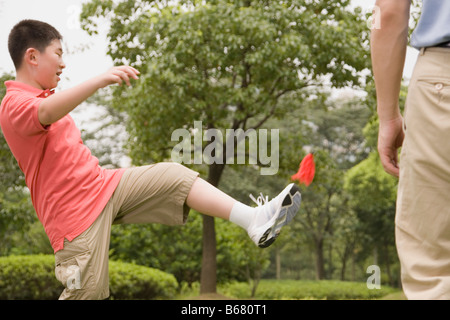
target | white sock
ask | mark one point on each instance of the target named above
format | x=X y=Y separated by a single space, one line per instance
x=242 y=214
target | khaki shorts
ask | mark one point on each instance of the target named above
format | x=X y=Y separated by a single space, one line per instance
x=423 y=202
x=148 y=194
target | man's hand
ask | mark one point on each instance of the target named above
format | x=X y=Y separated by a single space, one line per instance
x=390 y=139
x=118 y=75
x=388 y=51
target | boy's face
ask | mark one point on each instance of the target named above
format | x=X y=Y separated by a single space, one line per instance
x=49 y=65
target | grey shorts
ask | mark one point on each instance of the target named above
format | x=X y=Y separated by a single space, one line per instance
x=149 y=194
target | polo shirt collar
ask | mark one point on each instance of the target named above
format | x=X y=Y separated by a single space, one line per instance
x=12 y=85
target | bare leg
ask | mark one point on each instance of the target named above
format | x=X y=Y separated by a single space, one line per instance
x=207 y=199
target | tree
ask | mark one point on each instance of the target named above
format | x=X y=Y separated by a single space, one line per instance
x=318 y=215
x=373 y=194
x=105 y=139
x=226 y=63
x=10 y=173
x=16 y=211
x=338 y=126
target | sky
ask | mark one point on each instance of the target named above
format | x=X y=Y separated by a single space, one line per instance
x=63 y=15
x=82 y=65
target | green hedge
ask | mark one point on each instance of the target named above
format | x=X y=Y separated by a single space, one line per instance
x=29 y=277
x=33 y=278
x=130 y=281
x=299 y=290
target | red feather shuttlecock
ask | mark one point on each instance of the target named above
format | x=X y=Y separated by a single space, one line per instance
x=306 y=170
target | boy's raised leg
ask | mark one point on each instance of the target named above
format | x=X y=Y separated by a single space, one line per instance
x=263 y=223
x=207 y=199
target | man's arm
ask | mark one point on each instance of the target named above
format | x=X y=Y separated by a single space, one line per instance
x=388 y=50
x=60 y=104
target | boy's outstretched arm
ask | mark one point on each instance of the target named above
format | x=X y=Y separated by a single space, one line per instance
x=60 y=104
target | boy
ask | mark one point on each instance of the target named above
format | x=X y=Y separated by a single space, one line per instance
x=76 y=200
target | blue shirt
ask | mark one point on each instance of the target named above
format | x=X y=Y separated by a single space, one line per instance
x=433 y=27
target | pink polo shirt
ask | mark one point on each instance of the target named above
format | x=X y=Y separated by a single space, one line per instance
x=68 y=187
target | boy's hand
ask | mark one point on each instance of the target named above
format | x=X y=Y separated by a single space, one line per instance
x=60 y=104
x=118 y=75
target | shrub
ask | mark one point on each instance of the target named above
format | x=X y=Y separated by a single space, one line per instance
x=29 y=277
x=130 y=281
x=32 y=277
x=292 y=289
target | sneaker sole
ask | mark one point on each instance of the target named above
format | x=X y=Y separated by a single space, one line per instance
x=289 y=208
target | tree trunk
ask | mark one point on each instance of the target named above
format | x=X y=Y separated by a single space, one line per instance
x=345 y=256
x=208 y=275
x=353 y=265
x=320 y=264
x=278 y=263
x=387 y=262
x=344 y=264
x=256 y=282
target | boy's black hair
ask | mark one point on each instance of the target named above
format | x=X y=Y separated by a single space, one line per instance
x=30 y=34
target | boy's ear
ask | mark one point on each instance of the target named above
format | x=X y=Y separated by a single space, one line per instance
x=30 y=56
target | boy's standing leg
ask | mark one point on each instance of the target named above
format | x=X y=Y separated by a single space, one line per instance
x=163 y=193
x=82 y=265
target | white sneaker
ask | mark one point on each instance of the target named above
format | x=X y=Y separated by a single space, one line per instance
x=272 y=215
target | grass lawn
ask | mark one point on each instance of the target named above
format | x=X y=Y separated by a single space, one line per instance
x=298 y=290
x=394 y=296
